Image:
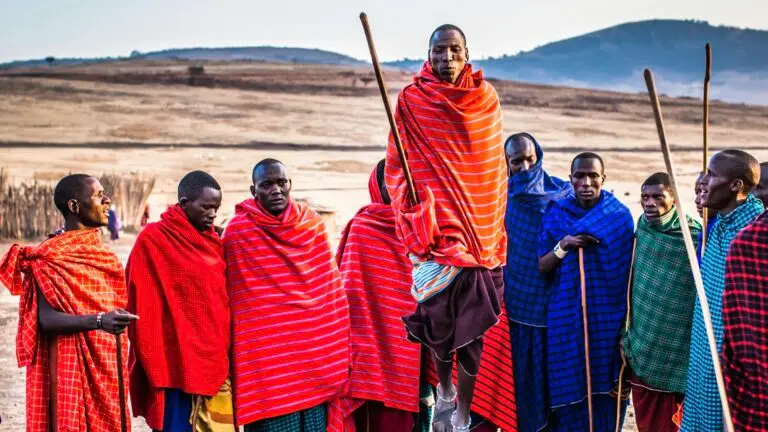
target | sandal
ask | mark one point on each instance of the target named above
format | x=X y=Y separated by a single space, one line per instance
x=457 y=428
x=442 y=407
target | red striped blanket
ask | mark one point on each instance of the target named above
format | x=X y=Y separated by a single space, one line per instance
x=452 y=135
x=377 y=278
x=289 y=312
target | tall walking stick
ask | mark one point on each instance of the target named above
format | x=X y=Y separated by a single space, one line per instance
x=586 y=337
x=707 y=77
x=388 y=109
x=627 y=323
x=121 y=384
x=689 y=248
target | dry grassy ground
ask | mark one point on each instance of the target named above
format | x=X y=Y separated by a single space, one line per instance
x=323 y=122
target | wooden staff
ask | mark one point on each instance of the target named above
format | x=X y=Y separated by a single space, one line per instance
x=121 y=384
x=388 y=109
x=586 y=336
x=626 y=330
x=707 y=77
x=690 y=248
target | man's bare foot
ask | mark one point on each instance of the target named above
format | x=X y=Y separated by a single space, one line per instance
x=444 y=407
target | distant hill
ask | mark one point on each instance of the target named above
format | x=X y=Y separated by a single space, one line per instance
x=614 y=58
x=261 y=53
x=609 y=59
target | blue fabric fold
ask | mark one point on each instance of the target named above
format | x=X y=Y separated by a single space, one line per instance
x=607 y=268
x=529 y=193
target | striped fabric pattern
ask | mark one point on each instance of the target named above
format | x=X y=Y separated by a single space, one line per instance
x=429 y=278
x=452 y=135
x=289 y=312
x=701 y=408
x=77 y=275
x=376 y=275
x=745 y=336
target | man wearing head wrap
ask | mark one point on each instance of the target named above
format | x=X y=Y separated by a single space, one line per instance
x=525 y=289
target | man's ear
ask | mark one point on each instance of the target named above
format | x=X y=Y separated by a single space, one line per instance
x=737 y=185
x=466 y=53
x=73 y=206
x=183 y=201
x=253 y=191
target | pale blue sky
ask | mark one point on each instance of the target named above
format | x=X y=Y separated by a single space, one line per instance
x=87 y=28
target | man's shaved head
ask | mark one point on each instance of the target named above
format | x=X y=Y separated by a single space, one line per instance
x=742 y=166
x=520 y=150
x=271 y=185
x=447 y=27
x=192 y=185
x=731 y=176
x=71 y=187
x=260 y=167
x=659 y=178
x=81 y=200
x=588 y=156
x=448 y=54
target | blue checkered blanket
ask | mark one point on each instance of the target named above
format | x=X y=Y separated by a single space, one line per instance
x=607 y=272
x=529 y=193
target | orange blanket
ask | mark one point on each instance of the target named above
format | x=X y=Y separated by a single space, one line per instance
x=452 y=135
x=377 y=278
x=177 y=285
x=290 y=314
x=77 y=275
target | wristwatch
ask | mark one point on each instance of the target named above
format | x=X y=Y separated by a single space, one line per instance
x=559 y=252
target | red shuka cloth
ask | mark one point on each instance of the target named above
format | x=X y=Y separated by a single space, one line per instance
x=452 y=135
x=77 y=275
x=289 y=310
x=177 y=285
x=745 y=320
x=377 y=278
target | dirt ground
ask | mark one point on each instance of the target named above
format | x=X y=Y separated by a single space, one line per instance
x=323 y=122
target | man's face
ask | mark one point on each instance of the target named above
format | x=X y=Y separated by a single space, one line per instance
x=697 y=190
x=92 y=208
x=521 y=156
x=202 y=210
x=656 y=200
x=448 y=54
x=718 y=189
x=587 y=179
x=761 y=190
x=271 y=188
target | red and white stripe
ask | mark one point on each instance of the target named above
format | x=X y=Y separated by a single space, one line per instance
x=289 y=312
x=452 y=135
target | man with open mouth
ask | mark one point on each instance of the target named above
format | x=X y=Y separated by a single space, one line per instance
x=726 y=189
